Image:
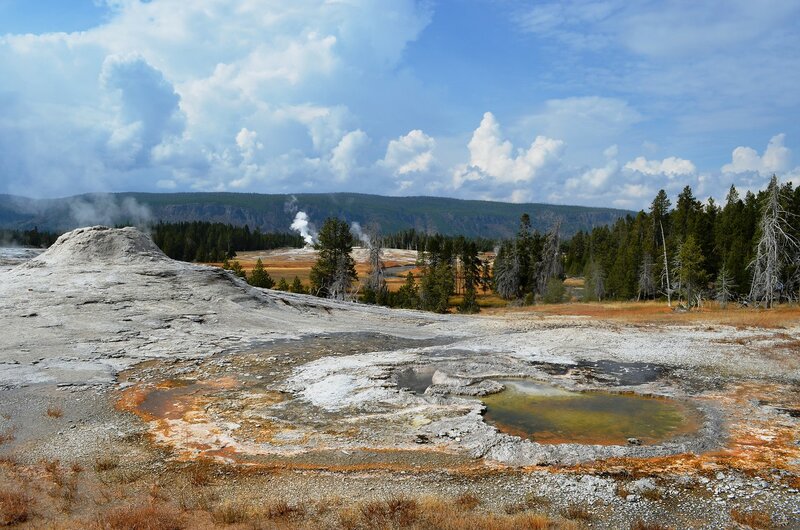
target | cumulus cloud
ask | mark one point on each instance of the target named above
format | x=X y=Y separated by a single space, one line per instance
x=248 y=143
x=410 y=153
x=494 y=158
x=670 y=166
x=146 y=104
x=183 y=109
x=345 y=156
x=776 y=158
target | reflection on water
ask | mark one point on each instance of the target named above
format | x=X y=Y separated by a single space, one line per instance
x=547 y=414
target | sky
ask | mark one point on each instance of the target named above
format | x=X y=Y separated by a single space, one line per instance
x=592 y=103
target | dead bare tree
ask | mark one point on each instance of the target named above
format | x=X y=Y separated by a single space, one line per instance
x=647 y=285
x=774 y=248
x=724 y=287
x=597 y=282
x=342 y=281
x=376 y=279
x=665 y=283
x=550 y=266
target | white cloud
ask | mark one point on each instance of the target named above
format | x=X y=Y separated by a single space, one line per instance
x=345 y=156
x=410 y=153
x=582 y=122
x=776 y=158
x=248 y=143
x=496 y=158
x=167 y=91
x=670 y=166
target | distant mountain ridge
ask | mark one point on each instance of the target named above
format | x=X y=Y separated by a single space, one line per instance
x=275 y=212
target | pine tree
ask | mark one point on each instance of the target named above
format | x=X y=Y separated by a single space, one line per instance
x=408 y=295
x=282 y=285
x=471 y=273
x=438 y=284
x=595 y=286
x=506 y=271
x=259 y=277
x=237 y=269
x=689 y=271
x=297 y=286
x=334 y=272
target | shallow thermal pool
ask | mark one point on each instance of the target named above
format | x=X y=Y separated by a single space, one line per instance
x=547 y=414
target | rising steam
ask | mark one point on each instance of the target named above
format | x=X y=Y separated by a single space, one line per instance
x=303 y=226
x=355 y=229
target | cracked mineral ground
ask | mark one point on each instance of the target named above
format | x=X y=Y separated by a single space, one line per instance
x=134 y=384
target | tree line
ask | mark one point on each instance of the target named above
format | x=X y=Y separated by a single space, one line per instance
x=207 y=242
x=745 y=250
x=411 y=239
x=27 y=238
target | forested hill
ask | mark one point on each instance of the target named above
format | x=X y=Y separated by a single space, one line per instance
x=274 y=213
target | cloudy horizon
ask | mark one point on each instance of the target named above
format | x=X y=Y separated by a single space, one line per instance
x=585 y=103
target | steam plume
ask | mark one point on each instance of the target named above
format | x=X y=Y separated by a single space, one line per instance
x=355 y=229
x=106 y=209
x=303 y=226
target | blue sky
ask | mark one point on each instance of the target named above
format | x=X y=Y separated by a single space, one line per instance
x=595 y=103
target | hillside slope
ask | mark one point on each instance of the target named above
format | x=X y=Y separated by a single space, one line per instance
x=275 y=212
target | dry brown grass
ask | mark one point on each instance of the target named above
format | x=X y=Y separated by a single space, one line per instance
x=106 y=463
x=54 y=412
x=529 y=503
x=231 y=513
x=200 y=472
x=15 y=507
x=622 y=490
x=7 y=436
x=755 y=519
x=284 y=511
x=577 y=512
x=427 y=513
x=467 y=501
x=657 y=312
x=652 y=495
x=141 y=517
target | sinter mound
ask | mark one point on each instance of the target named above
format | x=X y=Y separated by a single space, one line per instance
x=100 y=244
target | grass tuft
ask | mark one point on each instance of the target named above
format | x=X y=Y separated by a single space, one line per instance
x=105 y=463
x=15 y=507
x=230 y=513
x=577 y=512
x=141 y=517
x=467 y=501
x=54 y=411
x=7 y=436
x=200 y=472
x=754 y=519
x=284 y=510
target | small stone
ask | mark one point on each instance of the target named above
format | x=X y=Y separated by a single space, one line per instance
x=634 y=441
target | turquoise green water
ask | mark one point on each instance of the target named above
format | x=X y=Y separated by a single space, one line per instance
x=547 y=414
